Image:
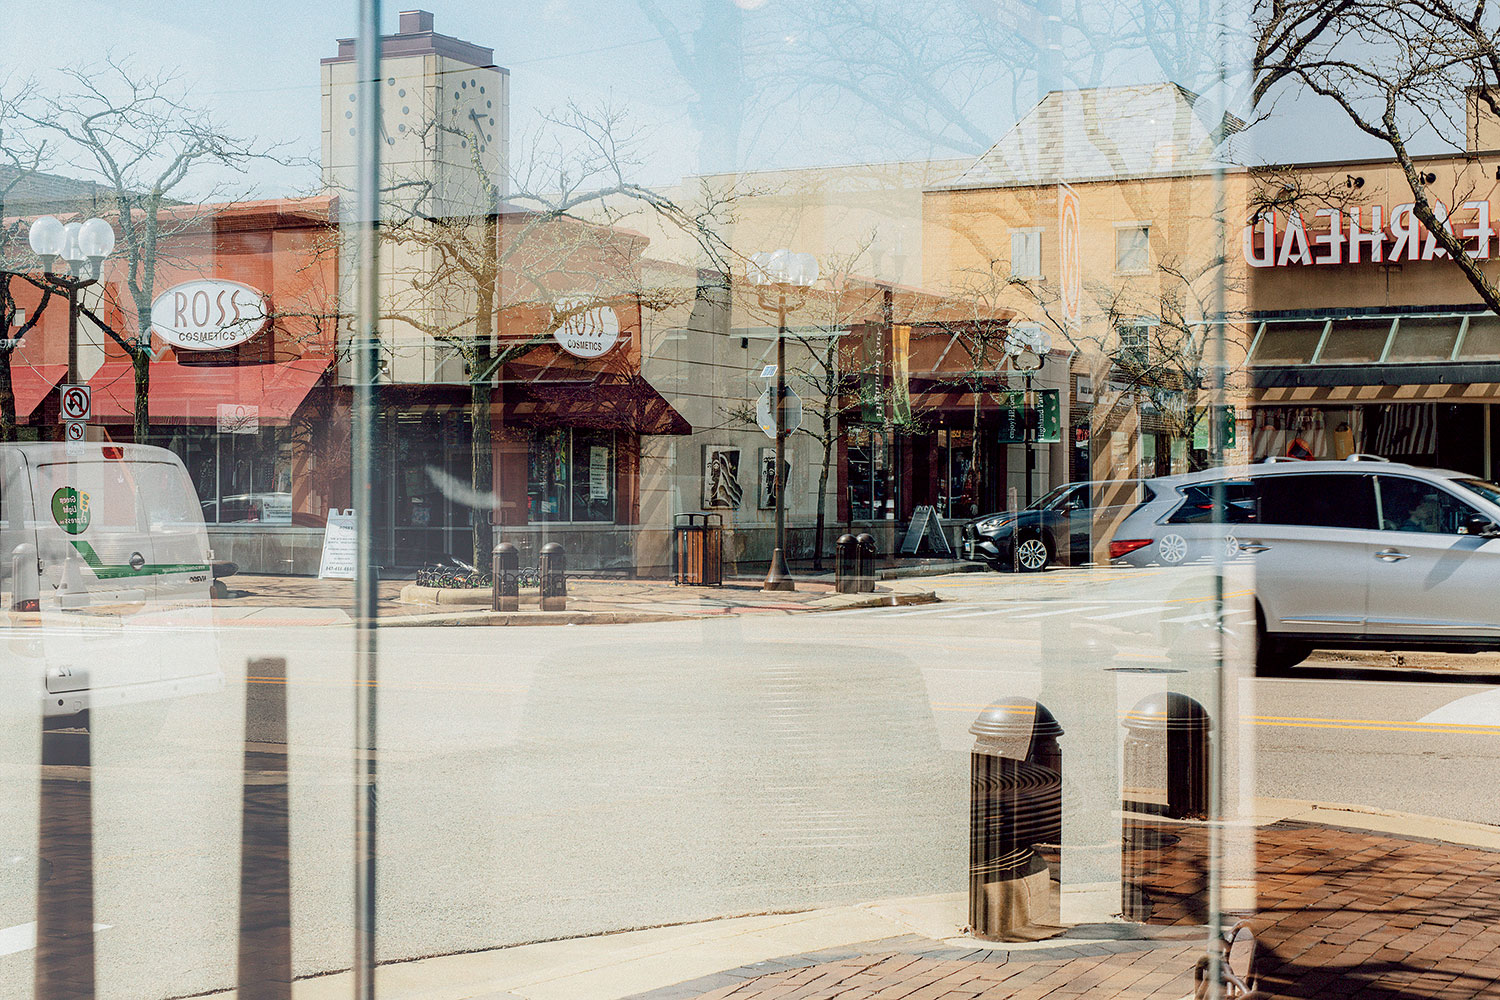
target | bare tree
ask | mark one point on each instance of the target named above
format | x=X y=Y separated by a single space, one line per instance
x=21 y=157
x=492 y=282
x=1401 y=73
x=138 y=133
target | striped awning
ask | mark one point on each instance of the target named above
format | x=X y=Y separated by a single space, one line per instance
x=1476 y=392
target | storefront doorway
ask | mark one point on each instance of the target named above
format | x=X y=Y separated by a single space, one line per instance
x=426 y=494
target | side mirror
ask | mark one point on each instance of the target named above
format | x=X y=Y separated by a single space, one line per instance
x=1481 y=526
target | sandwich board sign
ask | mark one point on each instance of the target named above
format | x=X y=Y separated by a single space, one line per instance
x=925 y=523
x=338 y=546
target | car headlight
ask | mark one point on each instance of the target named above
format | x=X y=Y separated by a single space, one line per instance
x=993 y=524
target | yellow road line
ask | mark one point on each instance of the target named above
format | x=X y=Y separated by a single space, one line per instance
x=1309 y=722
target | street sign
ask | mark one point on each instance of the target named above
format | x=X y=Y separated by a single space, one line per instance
x=765 y=411
x=73 y=430
x=75 y=402
x=1048 y=416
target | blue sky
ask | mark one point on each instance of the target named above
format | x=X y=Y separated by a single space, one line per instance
x=816 y=88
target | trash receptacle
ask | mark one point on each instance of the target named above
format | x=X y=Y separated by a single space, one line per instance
x=699 y=538
x=1015 y=806
x=846 y=565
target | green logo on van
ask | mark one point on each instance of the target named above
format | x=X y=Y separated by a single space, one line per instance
x=70 y=509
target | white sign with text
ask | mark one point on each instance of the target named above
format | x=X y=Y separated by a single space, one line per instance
x=338 y=547
x=209 y=314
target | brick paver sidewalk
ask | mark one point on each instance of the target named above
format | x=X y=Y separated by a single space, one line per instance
x=1341 y=914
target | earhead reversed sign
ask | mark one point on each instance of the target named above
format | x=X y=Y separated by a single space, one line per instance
x=209 y=314
x=1365 y=234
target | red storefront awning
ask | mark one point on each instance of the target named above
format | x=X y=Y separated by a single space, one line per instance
x=31 y=383
x=601 y=400
x=192 y=394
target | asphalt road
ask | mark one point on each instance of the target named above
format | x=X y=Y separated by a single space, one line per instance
x=549 y=782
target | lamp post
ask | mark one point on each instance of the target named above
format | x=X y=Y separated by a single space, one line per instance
x=1028 y=344
x=83 y=247
x=782 y=279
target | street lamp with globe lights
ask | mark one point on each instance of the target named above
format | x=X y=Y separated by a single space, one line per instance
x=1028 y=344
x=82 y=247
x=781 y=279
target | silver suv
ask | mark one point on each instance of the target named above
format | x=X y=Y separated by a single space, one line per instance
x=1362 y=553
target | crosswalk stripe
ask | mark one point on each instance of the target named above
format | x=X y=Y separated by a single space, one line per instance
x=1064 y=611
x=995 y=611
x=1133 y=611
x=1200 y=616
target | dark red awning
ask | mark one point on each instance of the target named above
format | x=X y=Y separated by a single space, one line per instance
x=192 y=394
x=31 y=383
x=603 y=400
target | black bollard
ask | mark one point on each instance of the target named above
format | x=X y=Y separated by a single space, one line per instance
x=845 y=565
x=1015 y=807
x=553 y=570
x=265 y=953
x=1165 y=771
x=64 y=959
x=865 y=562
x=505 y=587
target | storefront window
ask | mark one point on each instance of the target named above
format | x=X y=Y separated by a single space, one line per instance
x=1287 y=343
x=960 y=474
x=245 y=477
x=1356 y=341
x=570 y=476
x=868 y=461
x=1424 y=338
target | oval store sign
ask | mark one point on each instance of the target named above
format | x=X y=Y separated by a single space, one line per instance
x=591 y=333
x=209 y=314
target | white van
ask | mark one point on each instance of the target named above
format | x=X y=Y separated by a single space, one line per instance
x=115 y=606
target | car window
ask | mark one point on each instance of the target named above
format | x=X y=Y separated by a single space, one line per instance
x=1330 y=500
x=1489 y=491
x=1415 y=505
x=1198 y=504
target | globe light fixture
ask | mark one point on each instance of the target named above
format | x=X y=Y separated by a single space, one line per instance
x=1028 y=345
x=83 y=245
x=46 y=239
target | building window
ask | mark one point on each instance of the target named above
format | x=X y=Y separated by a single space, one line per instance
x=1131 y=242
x=240 y=478
x=571 y=476
x=1135 y=344
x=1026 y=253
x=868 y=468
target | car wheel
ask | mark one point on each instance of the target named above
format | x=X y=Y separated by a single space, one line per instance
x=1231 y=547
x=1171 y=549
x=1032 y=555
x=1275 y=656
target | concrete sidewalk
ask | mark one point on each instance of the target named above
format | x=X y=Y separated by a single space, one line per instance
x=1351 y=902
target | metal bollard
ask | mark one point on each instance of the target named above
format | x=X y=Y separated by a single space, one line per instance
x=505 y=585
x=265 y=938
x=554 y=573
x=1166 y=756
x=1015 y=806
x=25 y=579
x=1165 y=774
x=865 y=562
x=845 y=565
